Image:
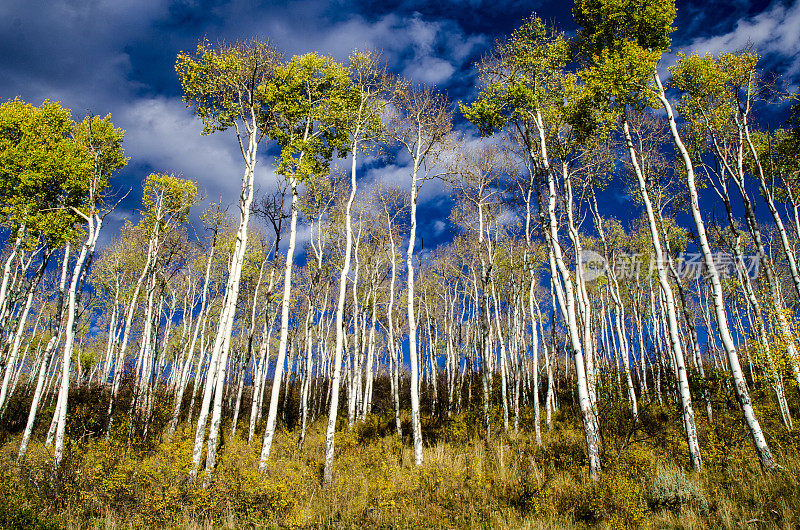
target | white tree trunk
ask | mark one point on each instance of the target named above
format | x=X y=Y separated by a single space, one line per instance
x=416 y=426
x=226 y=317
x=272 y=416
x=677 y=350
x=742 y=393
x=92 y=233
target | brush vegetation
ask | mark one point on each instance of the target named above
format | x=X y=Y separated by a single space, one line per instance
x=469 y=478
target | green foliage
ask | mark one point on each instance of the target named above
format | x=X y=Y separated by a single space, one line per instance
x=222 y=84
x=15 y=516
x=616 y=25
x=619 y=43
x=167 y=200
x=506 y=480
x=620 y=77
x=520 y=78
x=102 y=144
x=309 y=104
x=793 y=121
x=46 y=169
x=714 y=90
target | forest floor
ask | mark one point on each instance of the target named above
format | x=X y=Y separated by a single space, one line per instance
x=467 y=480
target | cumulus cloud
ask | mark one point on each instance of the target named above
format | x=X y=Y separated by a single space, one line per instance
x=162 y=133
x=104 y=56
x=117 y=56
x=70 y=50
x=430 y=70
x=428 y=51
x=775 y=33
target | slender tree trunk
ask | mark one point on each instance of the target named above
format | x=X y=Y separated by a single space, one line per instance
x=677 y=350
x=416 y=427
x=225 y=326
x=335 y=384
x=742 y=393
x=93 y=231
x=269 y=433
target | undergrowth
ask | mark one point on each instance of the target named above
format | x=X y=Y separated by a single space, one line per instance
x=468 y=479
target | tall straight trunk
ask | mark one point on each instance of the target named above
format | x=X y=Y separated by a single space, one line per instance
x=549 y=357
x=533 y=310
x=562 y=282
x=225 y=325
x=675 y=343
x=744 y=280
x=187 y=366
x=262 y=362
x=740 y=386
x=240 y=375
x=416 y=426
x=367 y=401
x=335 y=384
x=250 y=336
x=22 y=320
x=581 y=295
x=112 y=339
x=52 y=346
x=619 y=308
x=92 y=233
x=355 y=356
x=769 y=197
x=752 y=225
x=272 y=416
x=7 y=276
x=537 y=428
x=503 y=362
x=147 y=348
x=306 y=376
x=397 y=360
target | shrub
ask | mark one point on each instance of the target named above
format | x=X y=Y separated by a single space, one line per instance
x=614 y=498
x=13 y=516
x=671 y=489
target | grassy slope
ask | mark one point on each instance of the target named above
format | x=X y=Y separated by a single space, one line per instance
x=466 y=481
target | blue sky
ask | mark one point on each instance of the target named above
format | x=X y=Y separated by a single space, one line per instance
x=117 y=57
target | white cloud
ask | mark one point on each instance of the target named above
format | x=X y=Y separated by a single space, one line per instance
x=163 y=134
x=427 y=51
x=430 y=70
x=775 y=31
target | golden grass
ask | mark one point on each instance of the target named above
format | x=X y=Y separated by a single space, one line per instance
x=503 y=482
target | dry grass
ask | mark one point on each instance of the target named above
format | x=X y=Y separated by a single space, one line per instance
x=467 y=481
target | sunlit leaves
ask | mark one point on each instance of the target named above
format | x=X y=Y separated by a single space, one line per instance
x=221 y=83
x=53 y=168
x=308 y=106
x=523 y=74
x=616 y=25
x=714 y=89
x=167 y=199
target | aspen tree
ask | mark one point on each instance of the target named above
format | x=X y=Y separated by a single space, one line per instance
x=102 y=145
x=619 y=58
x=393 y=204
x=363 y=109
x=526 y=88
x=226 y=89
x=309 y=110
x=422 y=127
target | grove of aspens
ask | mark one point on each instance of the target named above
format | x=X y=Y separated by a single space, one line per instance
x=301 y=358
